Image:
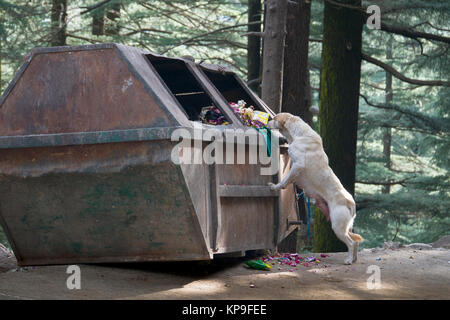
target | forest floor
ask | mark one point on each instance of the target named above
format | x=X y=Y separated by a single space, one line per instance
x=405 y=273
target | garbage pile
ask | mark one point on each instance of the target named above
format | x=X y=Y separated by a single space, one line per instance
x=249 y=116
x=212 y=115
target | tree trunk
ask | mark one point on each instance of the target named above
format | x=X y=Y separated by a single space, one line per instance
x=1 y=91
x=98 y=22
x=112 y=14
x=58 y=23
x=1 y=28
x=339 y=97
x=262 y=49
x=387 y=136
x=296 y=86
x=274 y=35
x=254 y=45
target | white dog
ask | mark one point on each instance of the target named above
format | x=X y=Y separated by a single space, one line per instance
x=310 y=171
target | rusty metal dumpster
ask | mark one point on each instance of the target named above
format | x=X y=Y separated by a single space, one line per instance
x=85 y=162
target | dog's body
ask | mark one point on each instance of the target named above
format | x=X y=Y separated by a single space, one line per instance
x=310 y=171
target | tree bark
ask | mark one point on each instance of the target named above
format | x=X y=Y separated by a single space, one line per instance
x=387 y=136
x=1 y=91
x=98 y=22
x=254 y=44
x=296 y=85
x=58 y=23
x=274 y=35
x=262 y=49
x=339 y=95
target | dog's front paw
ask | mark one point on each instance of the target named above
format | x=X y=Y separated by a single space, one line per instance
x=348 y=260
x=272 y=186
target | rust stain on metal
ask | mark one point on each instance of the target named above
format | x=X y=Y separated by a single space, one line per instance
x=80 y=92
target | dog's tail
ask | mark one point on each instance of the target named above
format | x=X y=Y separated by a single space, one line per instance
x=355 y=237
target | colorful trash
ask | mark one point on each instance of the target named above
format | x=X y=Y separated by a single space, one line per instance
x=212 y=115
x=258 y=265
x=248 y=115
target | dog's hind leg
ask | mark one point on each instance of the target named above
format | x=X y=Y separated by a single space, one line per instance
x=355 y=251
x=340 y=219
x=350 y=245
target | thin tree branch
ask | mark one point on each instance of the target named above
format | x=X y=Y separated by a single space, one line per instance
x=383 y=183
x=146 y=30
x=429 y=122
x=373 y=86
x=402 y=77
x=82 y=38
x=407 y=32
x=403 y=31
x=253 y=34
x=209 y=33
x=396 y=73
x=95 y=6
x=253 y=81
x=429 y=24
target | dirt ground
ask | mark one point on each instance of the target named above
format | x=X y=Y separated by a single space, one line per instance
x=405 y=273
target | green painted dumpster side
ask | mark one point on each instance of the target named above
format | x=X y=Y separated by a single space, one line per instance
x=86 y=204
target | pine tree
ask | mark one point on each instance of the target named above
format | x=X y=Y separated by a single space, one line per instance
x=296 y=85
x=339 y=95
x=59 y=20
x=273 y=55
x=254 y=44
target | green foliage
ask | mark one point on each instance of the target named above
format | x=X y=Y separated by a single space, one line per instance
x=207 y=30
x=416 y=210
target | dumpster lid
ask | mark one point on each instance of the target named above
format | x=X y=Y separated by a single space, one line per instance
x=107 y=93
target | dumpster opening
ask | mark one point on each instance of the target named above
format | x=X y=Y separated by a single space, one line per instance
x=230 y=88
x=184 y=85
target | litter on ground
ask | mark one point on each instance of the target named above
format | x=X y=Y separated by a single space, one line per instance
x=284 y=259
